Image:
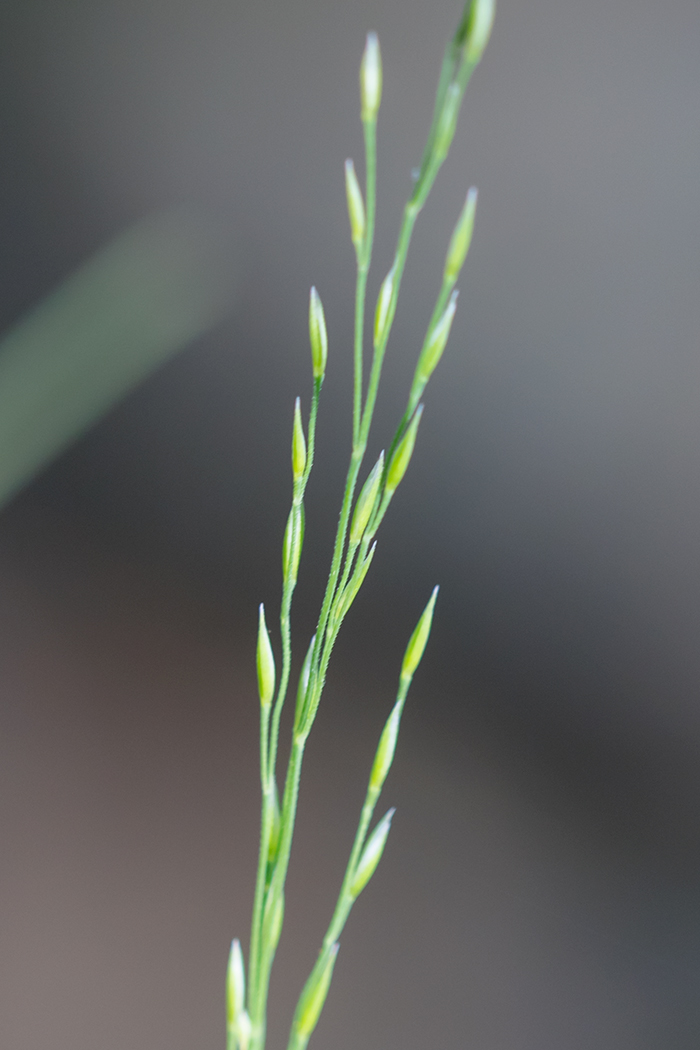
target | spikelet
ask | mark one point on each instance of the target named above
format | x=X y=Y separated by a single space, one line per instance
x=371 y=78
x=265 y=662
x=419 y=639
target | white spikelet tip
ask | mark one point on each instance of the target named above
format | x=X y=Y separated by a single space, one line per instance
x=371 y=78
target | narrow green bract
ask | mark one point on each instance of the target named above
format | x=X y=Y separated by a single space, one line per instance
x=354 y=548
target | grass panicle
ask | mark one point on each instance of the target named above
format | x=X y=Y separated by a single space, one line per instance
x=354 y=547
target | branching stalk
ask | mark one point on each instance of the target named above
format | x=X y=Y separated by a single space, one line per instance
x=352 y=553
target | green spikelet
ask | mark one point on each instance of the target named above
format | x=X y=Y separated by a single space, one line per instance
x=387 y=746
x=265 y=662
x=461 y=238
x=480 y=24
x=314 y=995
x=419 y=639
x=371 y=854
x=402 y=454
x=371 y=78
x=298 y=444
x=366 y=501
x=318 y=337
x=384 y=313
x=356 y=206
x=237 y=1020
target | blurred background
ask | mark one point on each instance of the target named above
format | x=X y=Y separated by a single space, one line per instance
x=541 y=885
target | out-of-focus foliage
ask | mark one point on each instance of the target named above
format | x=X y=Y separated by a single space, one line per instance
x=136 y=302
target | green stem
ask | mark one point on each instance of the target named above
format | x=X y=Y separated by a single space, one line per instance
x=430 y=166
x=360 y=432
x=259 y=900
x=269 y=736
x=288 y=590
x=258 y=1006
x=296 y=1041
x=410 y=215
x=334 y=624
x=260 y=965
x=345 y=897
x=340 y=591
x=440 y=306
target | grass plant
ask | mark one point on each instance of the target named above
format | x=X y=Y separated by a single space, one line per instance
x=360 y=517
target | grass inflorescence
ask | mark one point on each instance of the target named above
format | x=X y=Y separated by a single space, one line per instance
x=354 y=548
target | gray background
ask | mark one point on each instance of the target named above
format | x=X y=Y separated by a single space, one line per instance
x=541 y=886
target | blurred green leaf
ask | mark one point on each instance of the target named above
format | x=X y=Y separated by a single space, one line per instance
x=139 y=300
